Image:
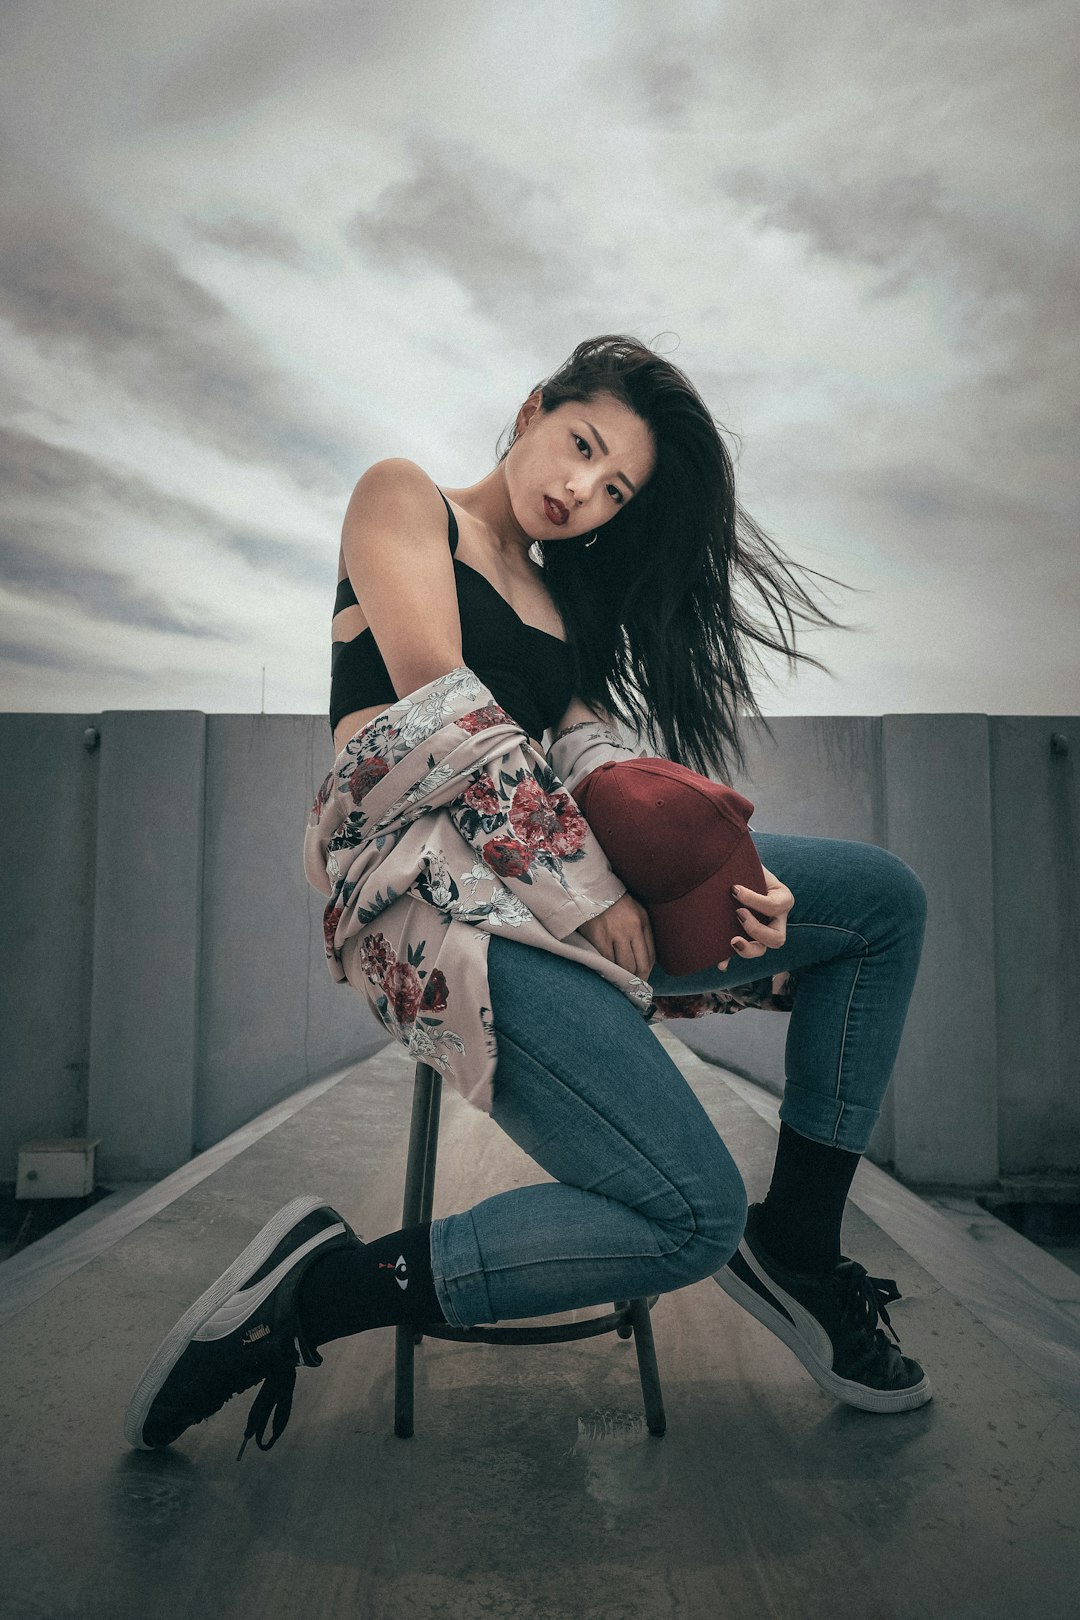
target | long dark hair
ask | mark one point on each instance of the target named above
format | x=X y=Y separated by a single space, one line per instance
x=657 y=636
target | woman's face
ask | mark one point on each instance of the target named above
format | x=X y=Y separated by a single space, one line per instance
x=571 y=470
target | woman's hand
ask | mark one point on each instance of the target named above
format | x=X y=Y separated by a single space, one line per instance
x=623 y=933
x=761 y=936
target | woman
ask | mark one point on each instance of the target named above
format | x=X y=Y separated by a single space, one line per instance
x=587 y=578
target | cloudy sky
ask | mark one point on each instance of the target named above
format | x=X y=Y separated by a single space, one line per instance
x=249 y=246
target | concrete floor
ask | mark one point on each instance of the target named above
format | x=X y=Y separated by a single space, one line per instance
x=531 y=1489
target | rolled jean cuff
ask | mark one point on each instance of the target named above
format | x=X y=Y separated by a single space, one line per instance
x=830 y=1120
x=458 y=1273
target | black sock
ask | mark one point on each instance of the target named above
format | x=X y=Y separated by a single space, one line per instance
x=804 y=1207
x=384 y=1282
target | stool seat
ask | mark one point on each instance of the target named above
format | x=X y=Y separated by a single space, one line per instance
x=628 y=1318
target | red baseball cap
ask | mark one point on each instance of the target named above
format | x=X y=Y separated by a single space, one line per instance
x=680 y=843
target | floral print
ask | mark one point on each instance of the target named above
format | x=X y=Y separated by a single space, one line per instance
x=364 y=777
x=776 y=993
x=439 y=824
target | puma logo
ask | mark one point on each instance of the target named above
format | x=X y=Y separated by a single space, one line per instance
x=400 y=1269
x=254 y=1333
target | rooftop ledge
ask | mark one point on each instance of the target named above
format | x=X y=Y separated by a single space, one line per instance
x=531 y=1488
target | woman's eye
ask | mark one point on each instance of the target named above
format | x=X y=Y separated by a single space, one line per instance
x=616 y=494
x=582 y=444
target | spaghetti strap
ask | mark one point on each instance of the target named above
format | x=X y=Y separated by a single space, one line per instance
x=453 y=528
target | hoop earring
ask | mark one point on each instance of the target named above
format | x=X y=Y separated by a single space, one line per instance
x=591 y=542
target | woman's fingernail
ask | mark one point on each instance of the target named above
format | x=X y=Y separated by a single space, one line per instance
x=736 y=891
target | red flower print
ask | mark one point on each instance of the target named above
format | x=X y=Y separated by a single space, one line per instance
x=506 y=857
x=436 y=992
x=685 y=1006
x=479 y=719
x=531 y=814
x=482 y=796
x=331 y=918
x=572 y=825
x=365 y=776
x=402 y=985
x=376 y=955
x=321 y=797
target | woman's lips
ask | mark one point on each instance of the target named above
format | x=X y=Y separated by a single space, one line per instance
x=555 y=511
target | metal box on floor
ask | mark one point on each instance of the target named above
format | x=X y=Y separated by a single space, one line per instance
x=56 y=1167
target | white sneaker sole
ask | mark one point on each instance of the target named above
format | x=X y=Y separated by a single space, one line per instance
x=843 y=1389
x=179 y=1337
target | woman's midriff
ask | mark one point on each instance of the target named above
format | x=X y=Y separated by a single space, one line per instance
x=351 y=723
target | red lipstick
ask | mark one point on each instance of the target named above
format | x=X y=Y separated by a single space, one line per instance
x=555 y=511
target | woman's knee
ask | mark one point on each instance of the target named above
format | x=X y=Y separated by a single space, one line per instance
x=900 y=890
x=714 y=1223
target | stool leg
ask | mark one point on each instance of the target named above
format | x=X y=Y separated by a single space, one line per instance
x=427 y=1090
x=427 y=1181
x=432 y=1148
x=421 y=1155
x=648 y=1371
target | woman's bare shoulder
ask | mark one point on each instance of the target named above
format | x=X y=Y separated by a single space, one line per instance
x=395 y=496
x=398 y=470
x=395 y=478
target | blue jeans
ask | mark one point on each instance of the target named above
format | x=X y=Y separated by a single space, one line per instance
x=647 y=1198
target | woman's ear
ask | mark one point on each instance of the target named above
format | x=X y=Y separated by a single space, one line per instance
x=528 y=411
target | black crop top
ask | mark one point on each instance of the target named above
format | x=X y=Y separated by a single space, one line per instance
x=528 y=671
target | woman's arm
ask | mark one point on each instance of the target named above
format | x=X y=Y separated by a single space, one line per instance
x=622 y=933
x=397 y=556
x=579 y=711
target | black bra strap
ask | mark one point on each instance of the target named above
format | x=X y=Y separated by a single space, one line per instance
x=453 y=524
x=346 y=596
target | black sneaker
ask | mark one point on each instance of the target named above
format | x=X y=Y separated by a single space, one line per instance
x=830 y=1322
x=244 y=1330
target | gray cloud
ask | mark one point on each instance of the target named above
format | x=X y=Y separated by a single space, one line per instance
x=909 y=226
x=931 y=143
x=19 y=656
x=60 y=575
x=248 y=61
x=899 y=364
x=791 y=72
x=927 y=496
x=82 y=287
x=494 y=232
x=16 y=657
x=52 y=485
x=1008 y=293
x=276 y=50
x=59 y=512
x=257 y=238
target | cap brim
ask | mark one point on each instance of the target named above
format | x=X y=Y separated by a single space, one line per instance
x=695 y=931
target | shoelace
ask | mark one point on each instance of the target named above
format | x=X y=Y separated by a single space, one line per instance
x=864 y=1303
x=274 y=1400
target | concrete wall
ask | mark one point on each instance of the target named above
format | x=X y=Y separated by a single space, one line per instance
x=821 y=778
x=147 y=932
x=982 y=808
x=48 y=822
x=163 y=979
x=272 y=1019
x=1036 y=862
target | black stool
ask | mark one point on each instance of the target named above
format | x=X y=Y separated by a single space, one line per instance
x=628 y=1317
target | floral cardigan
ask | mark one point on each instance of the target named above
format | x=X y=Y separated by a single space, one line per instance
x=441 y=824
